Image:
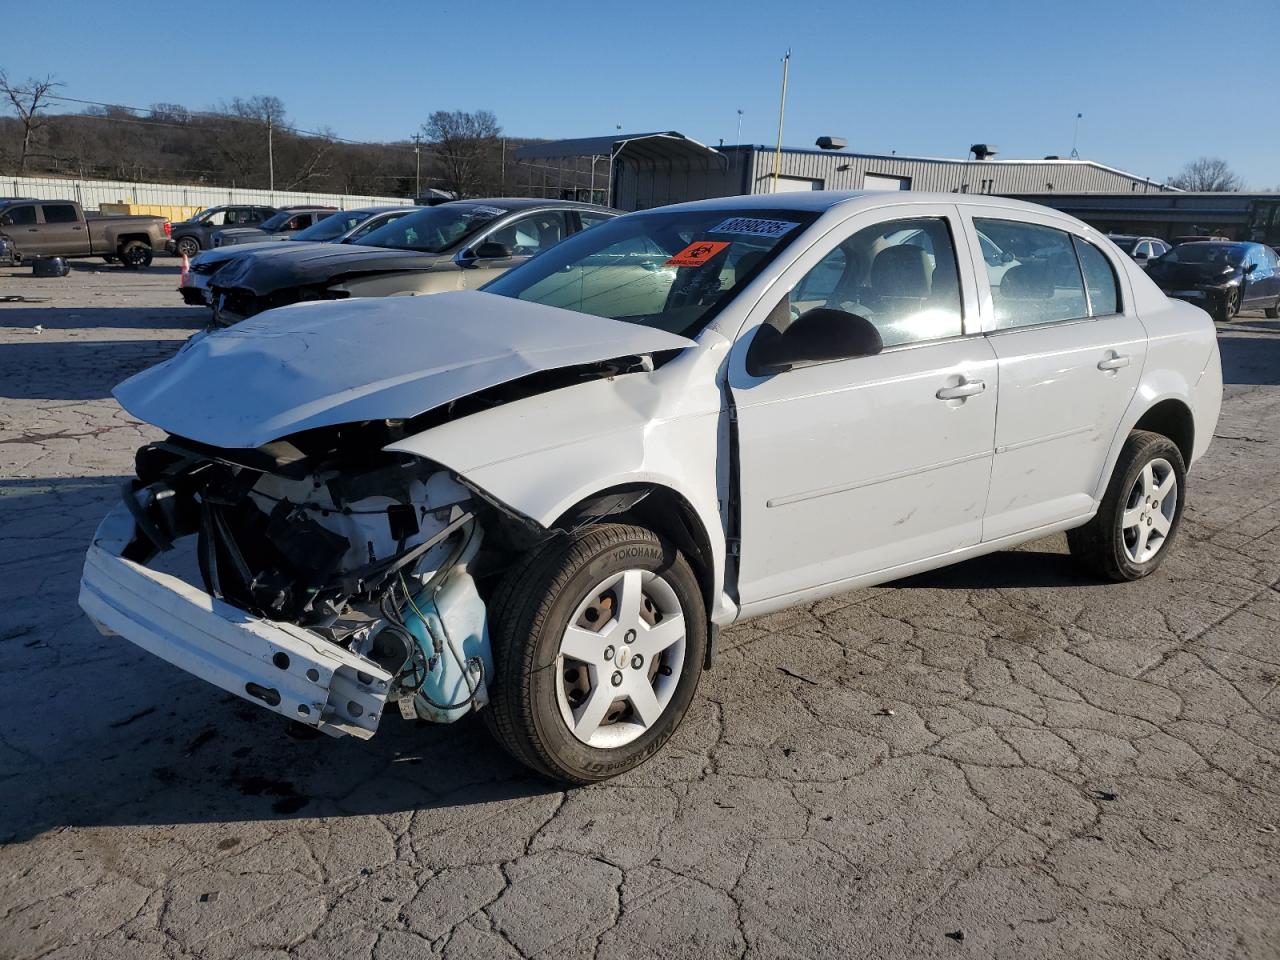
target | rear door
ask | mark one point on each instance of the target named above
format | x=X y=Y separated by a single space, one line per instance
x=1070 y=351
x=64 y=232
x=1262 y=286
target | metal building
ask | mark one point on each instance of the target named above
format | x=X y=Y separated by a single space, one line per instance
x=639 y=171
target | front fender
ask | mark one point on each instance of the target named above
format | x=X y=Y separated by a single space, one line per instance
x=544 y=454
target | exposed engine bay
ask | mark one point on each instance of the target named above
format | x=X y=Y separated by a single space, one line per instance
x=372 y=551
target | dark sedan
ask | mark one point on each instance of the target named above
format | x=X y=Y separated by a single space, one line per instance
x=1223 y=278
x=454 y=246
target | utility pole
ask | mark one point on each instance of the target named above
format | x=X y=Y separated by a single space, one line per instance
x=417 y=169
x=738 y=142
x=1075 y=138
x=782 y=109
x=271 y=155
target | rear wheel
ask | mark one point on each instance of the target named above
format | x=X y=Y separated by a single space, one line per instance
x=1229 y=306
x=600 y=642
x=1138 y=519
x=135 y=255
x=188 y=246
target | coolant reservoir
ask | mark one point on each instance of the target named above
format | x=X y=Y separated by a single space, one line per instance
x=454 y=615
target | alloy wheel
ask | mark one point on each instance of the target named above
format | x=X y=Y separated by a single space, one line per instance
x=620 y=658
x=1149 y=511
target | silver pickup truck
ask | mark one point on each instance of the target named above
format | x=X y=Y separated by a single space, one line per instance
x=59 y=228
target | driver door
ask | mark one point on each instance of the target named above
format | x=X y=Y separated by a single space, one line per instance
x=856 y=466
x=524 y=237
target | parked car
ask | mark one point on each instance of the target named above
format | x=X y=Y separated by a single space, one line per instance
x=192 y=236
x=59 y=228
x=287 y=221
x=454 y=246
x=541 y=500
x=1141 y=249
x=345 y=227
x=1199 y=238
x=1223 y=278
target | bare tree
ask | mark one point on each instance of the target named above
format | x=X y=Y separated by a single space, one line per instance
x=27 y=100
x=465 y=144
x=1207 y=174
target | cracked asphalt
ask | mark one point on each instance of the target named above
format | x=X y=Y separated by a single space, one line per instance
x=1000 y=759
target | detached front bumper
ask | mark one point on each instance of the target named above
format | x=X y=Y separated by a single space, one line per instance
x=279 y=666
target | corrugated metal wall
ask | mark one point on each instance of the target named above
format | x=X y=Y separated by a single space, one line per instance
x=90 y=194
x=845 y=171
x=640 y=186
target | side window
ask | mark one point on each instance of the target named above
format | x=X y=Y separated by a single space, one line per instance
x=901 y=275
x=590 y=220
x=297 y=222
x=18 y=216
x=1039 y=281
x=59 y=213
x=217 y=219
x=1143 y=250
x=1099 y=279
x=532 y=234
x=1160 y=248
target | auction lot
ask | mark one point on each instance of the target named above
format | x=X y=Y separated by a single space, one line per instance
x=1000 y=759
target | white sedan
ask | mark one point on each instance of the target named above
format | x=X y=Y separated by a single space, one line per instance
x=542 y=500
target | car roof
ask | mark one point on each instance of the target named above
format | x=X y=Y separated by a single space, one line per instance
x=819 y=201
x=372 y=211
x=521 y=203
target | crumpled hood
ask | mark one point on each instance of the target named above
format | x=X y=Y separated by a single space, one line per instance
x=218 y=257
x=342 y=361
x=319 y=264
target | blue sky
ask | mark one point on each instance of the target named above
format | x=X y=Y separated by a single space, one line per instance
x=1157 y=83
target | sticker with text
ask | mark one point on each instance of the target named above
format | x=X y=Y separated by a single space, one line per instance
x=697 y=253
x=752 y=227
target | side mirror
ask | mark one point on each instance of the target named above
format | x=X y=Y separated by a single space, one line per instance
x=492 y=250
x=813 y=337
x=1249 y=268
x=1006 y=256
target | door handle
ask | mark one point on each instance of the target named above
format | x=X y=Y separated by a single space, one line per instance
x=1114 y=362
x=965 y=388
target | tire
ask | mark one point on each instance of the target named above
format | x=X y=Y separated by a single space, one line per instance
x=545 y=701
x=1120 y=552
x=135 y=255
x=1229 y=307
x=188 y=246
x=1273 y=313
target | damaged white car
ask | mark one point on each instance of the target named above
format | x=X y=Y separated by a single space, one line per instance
x=540 y=501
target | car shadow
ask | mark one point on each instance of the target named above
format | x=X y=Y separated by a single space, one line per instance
x=20 y=316
x=98 y=732
x=1250 y=353
x=77 y=369
x=1022 y=568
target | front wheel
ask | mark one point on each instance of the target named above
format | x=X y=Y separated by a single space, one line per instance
x=1138 y=519
x=1229 y=306
x=599 y=644
x=135 y=255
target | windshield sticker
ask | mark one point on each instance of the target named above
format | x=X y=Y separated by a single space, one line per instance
x=697 y=253
x=751 y=227
x=489 y=211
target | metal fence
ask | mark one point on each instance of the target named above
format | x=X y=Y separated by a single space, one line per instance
x=91 y=194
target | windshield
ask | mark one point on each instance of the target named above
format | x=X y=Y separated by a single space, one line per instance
x=1224 y=254
x=434 y=229
x=331 y=227
x=671 y=270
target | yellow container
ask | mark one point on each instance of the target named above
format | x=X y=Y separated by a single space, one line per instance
x=172 y=212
